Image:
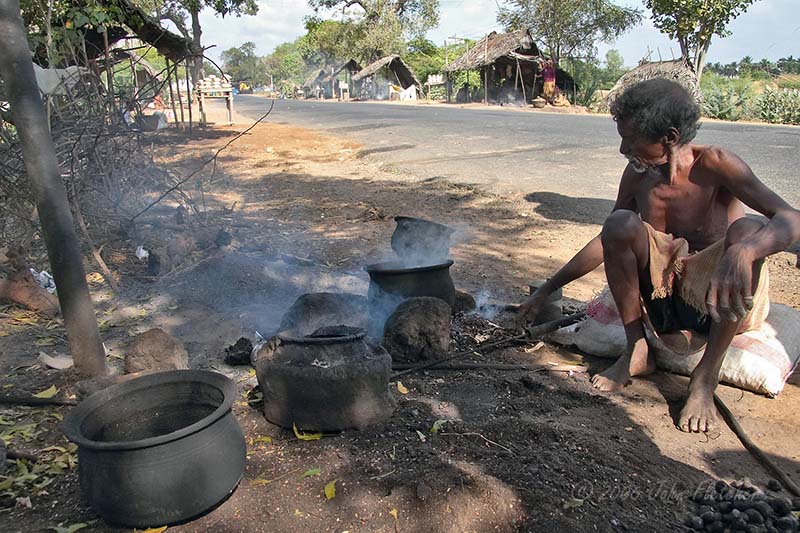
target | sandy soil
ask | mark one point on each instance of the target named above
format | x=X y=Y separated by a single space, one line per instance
x=521 y=451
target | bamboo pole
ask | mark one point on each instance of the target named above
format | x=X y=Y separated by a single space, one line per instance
x=172 y=94
x=178 y=90
x=188 y=94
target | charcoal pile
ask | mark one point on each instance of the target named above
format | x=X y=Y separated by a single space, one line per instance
x=741 y=506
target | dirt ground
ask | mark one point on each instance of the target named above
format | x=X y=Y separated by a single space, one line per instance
x=520 y=451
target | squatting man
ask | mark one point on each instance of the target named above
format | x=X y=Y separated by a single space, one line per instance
x=679 y=252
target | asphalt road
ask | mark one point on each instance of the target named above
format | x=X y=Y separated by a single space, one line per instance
x=505 y=150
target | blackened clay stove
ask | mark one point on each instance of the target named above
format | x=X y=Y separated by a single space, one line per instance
x=330 y=380
x=390 y=283
x=158 y=449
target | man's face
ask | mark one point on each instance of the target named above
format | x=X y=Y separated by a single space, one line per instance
x=641 y=152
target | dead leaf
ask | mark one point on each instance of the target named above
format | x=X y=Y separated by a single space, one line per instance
x=5 y=485
x=155 y=530
x=72 y=528
x=305 y=436
x=572 y=503
x=59 y=362
x=401 y=388
x=47 y=393
x=393 y=512
x=298 y=512
x=330 y=490
x=261 y=481
x=421 y=436
x=262 y=440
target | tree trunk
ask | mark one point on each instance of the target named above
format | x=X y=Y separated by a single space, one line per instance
x=197 y=72
x=700 y=59
x=41 y=164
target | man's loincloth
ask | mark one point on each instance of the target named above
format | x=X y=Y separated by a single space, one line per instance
x=675 y=295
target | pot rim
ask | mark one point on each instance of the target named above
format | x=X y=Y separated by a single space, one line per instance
x=357 y=333
x=377 y=268
x=75 y=418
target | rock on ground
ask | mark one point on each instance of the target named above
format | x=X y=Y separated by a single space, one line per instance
x=418 y=330
x=155 y=350
x=464 y=302
x=319 y=309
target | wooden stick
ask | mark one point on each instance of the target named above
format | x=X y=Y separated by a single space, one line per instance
x=532 y=333
x=30 y=400
x=754 y=450
x=500 y=366
x=14 y=454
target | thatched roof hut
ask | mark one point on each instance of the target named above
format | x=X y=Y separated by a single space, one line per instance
x=405 y=76
x=677 y=70
x=517 y=45
x=315 y=78
x=351 y=66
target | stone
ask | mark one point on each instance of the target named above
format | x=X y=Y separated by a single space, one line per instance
x=239 y=353
x=464 y=302
x=155 y=350
x=418 y=330
x=424 y=492
x=319 y=309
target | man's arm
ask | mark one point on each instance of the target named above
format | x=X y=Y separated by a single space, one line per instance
x=731 y=286
x=586 y=260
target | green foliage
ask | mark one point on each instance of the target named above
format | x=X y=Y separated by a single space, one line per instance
x=694 y=22
x=242 y=64
x=287 y=66
x=410 y=17
x=424 y=58
x=590 y=76
x=569 y=29
x=779 y=106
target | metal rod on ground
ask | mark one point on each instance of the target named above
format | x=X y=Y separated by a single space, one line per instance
x=754 y=450
x=531 y=333
x=499 y=366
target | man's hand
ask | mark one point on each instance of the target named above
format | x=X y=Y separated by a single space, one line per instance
x=531 y=307
x=730 y=295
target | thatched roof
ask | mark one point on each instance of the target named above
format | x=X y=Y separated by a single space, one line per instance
x=518 y=45
x=677 y=70
x=351 y=66
x=403 y=72
x=314 y=78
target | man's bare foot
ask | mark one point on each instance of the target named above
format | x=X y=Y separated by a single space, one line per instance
x=638 y=362
x=699 y=415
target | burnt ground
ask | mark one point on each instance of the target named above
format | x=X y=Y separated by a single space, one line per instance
x=521 y=451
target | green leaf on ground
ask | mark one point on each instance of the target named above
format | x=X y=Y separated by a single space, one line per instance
x=330 y=490
x=312 y=472
x=305 y=436
x=47 y=393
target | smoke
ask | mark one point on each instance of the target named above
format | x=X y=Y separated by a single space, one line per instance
x=483 y=307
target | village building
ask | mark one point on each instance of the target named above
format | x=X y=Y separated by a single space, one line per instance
x=510 y=66
x=388 y=78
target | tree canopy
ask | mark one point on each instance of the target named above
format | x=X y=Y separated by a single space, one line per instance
x=569 y=29
x=242 y=64
x=694 y=22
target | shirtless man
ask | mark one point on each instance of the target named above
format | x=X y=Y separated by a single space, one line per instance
x=690 y=191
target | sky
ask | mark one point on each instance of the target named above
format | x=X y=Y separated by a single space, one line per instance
x=769 y=29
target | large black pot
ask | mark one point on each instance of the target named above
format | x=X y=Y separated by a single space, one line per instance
x=417 y=241
x=390 y=284
x=328 y=381
x=158 y=449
